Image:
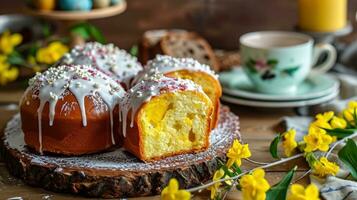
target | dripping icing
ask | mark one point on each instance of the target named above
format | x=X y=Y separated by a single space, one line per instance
x=82 y=81
x=145 y=90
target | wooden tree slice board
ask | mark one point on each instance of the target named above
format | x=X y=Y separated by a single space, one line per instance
x=79 y=15
x=115 y=174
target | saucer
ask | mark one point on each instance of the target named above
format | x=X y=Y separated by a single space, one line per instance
x=280 y=104
x=236 y=83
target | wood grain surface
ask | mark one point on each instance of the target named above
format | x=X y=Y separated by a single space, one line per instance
x=221 y=22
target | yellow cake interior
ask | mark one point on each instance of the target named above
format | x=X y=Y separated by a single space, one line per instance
x=205 y=81
x=174 y=122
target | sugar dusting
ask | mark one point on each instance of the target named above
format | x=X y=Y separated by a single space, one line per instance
x=220 y=139
x=165 y=64
x=109 y=59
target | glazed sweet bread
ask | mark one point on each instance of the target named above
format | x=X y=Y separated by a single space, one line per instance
x=109 y=59
x=71 y=110
x=165 y=116
x=187 y=68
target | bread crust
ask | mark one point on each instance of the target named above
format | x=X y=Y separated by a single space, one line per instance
x=68 y=136
x=148 y=49
x=133 y=142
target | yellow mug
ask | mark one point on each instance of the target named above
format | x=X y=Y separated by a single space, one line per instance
x=322 y=15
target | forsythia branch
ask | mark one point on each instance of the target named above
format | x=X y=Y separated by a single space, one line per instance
x=281 y=161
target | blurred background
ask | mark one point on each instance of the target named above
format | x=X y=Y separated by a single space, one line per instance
x=221 y=22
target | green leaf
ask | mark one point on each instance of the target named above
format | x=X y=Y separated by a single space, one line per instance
x=227 y=172
x=15 y=59
x=236 y=169
x=348 y=155
x=96 y=34
x=134 y=51
x=250 y=64
x=81 y=30
x=290 y=71
x=310 y=159
x=252 y=69
x=88 y=31
x=46 y=30
x=272 y=62
x=280 y=190
x=274 y=146
x=340 y=133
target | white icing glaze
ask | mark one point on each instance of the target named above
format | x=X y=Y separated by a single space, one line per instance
x=165 y=64
x=148 y=88
x=108 y=58
x=82 y=81
x=119 y=160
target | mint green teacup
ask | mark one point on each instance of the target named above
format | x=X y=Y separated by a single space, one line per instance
x=277 y=61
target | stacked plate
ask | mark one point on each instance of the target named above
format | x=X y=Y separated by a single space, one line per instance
x=238 y=89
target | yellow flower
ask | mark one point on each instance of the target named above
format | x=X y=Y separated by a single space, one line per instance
x=321 y=124
x=172 y=192
x=237 y=152
x=327 y=116
x=289 y=142
x=352 y=104
x=317 y=139
x=337 y=122
x=32 y=61
x=7 y=74
x=349 y=113
x=298 y=192
x=3 y=63
x=324 y=167
x=52 y=53
x=254 y=186
x=215 y=188
x=323 y=120
x=8 y=42
x=218 y=175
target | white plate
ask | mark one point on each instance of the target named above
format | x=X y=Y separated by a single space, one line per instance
x=236 y=83
x=280 y=104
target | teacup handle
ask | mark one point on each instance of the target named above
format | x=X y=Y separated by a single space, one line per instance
x=328 y=63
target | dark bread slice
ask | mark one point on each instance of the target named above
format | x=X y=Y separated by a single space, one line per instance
x=149 y=43
x=227 y=59
x=190 y=45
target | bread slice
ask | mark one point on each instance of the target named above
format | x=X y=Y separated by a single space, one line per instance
x=171 y=124
x=189 y=69
x=164 y=117
x=227 y=59
x=149 y=44
x=189 y=45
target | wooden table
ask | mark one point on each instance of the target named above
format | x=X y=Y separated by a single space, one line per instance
x=257 y=128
